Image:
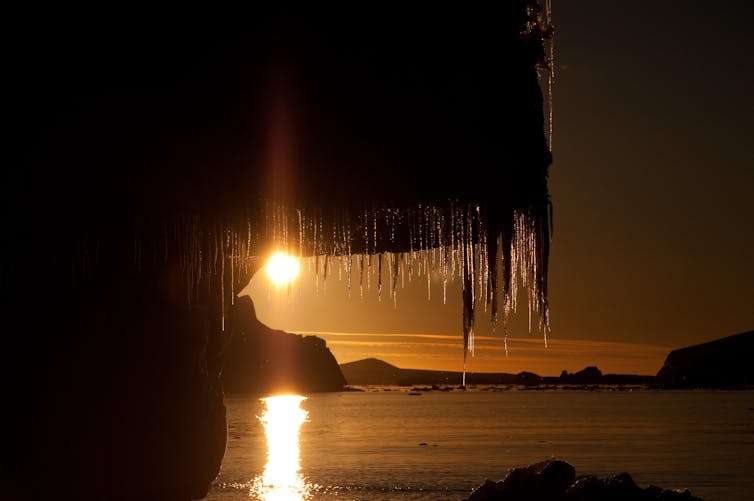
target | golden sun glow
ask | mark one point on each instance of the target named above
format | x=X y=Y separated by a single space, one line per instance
x=282 y=421
x=282 y=268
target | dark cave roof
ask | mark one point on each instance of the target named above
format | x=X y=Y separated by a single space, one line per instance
x=337 y=105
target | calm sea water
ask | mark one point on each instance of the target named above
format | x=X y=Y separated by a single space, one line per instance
x=380 y=445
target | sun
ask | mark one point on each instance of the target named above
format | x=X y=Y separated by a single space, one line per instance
x=282 y=268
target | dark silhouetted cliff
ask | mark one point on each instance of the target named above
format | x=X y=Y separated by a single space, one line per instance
x=263 y=360
x=724 y=362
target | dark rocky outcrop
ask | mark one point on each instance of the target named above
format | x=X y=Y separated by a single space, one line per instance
x=556 y=480
x=118 y=395
x=593 y=376
x=262 y=360
x=587 y=375
x=528 y=378
x=725 y=362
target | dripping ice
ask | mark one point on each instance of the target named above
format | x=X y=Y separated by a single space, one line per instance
x=454 y=241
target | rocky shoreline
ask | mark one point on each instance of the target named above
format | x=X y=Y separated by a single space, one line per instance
x=556 y=480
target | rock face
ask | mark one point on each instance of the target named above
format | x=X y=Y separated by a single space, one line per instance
x=262 y=360
x=545 y=480
x=724 y=362
x=556 y=480
x=118 y=397
x=587 y=375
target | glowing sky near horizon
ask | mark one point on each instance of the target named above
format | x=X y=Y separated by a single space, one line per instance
x=651 y=185
x=419 y=333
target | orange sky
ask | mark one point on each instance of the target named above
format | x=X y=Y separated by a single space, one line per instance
x=651 y=185
x=419 y=331
x=445 y=352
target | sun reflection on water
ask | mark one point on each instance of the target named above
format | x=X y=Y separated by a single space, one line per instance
x=282 y=480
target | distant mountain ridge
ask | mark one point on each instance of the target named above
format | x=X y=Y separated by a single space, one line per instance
x=725 y=362
x=372 y=371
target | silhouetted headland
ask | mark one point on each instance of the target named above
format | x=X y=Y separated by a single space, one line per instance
x=725 y=362
x=260 y=360
x=372 y=371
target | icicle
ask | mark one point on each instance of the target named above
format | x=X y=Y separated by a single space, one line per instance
x=493 y=246
x=316 y=274
x=362 y=265
x=374 y=239
x=369 y=272
x=394 y=278
x=379 y=277
x=325 y=272
x=232 y=279
x=248 y=238
x=457 y=239
x=421 y=233
x=222 y=290
x=551 y=74
x=321 y=249
x=411 y=223
x=445 y=282
x=402 y=267
x=315 y=235
x=300 y=233
x=468 y=307
x=391 y=222
x=349 y=258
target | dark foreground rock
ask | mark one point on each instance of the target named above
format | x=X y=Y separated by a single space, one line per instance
x=556 y=480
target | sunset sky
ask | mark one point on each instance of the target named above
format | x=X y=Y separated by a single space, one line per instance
x=651 y=183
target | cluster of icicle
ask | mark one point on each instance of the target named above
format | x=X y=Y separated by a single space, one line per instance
x=490 y=254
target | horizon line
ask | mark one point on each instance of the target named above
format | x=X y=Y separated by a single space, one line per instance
x=541 y=340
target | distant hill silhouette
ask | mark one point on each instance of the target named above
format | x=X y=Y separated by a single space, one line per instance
x=372 y=371
x=725 y=362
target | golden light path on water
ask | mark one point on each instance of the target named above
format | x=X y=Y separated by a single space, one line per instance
x=281 y=479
